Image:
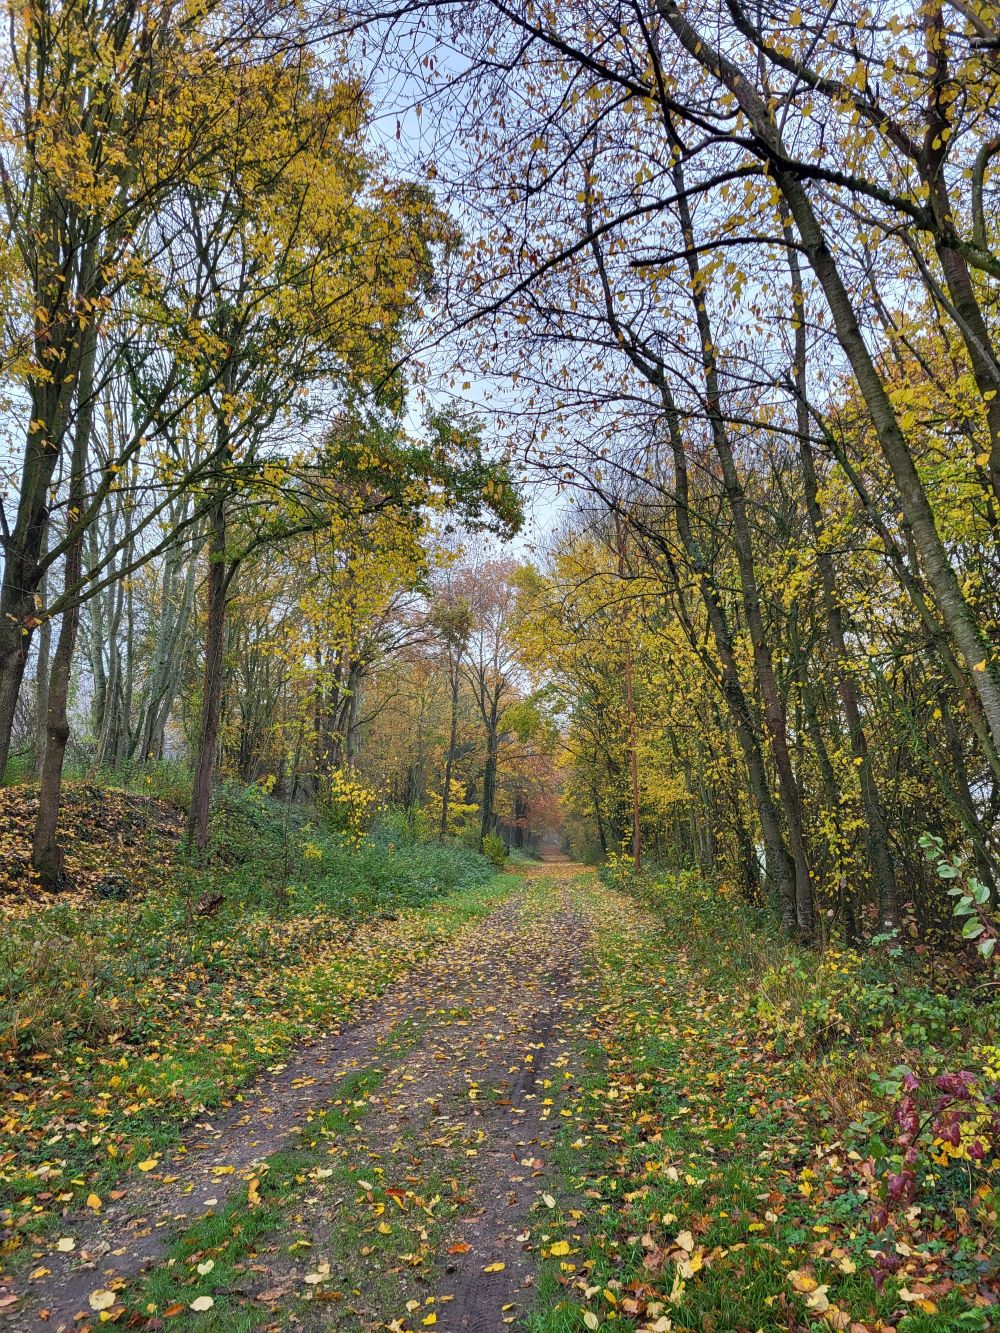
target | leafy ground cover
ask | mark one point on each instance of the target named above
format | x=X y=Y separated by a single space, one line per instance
x=768 y=1139
x=580 y=1109
x=395 y=1192
x=119 y=1020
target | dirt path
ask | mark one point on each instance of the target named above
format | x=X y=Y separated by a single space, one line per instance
x=495 y=1006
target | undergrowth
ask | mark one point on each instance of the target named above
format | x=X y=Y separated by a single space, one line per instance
x=121 y=1019
x=771 y=1137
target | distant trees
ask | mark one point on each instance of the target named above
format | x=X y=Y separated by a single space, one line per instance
x=491 y=667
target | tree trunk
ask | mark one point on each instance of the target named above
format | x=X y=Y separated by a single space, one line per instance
x=780 y=867
x=773 y=709
x=452 y=743
x=211 y=699
x=42 y=680
x=173 y=636
x=955 y=611
x=47 y=856
x=489 y=781
x=633 y=749
x=966 y=633
x=876 y=824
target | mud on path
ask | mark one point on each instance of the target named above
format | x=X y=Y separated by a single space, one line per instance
x=493 y=1009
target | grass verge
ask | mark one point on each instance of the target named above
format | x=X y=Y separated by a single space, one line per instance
x=121 y=1020
x=729 y=1159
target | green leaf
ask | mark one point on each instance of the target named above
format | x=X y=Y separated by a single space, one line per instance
x=986 y=947
x=947 y=871
x=979 y=891
x=972 y=929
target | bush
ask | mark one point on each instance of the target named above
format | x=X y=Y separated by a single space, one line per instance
x=164 y=779
x=463 y=816
x=944 y=1136
x=495 y=851
x=618 y=871
x=349 y=807
x=357 y=883
x=395 y=826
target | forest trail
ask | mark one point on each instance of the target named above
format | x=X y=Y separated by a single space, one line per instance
x=441 y=1079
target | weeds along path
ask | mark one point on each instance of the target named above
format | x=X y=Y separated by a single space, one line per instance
x=438 y=1082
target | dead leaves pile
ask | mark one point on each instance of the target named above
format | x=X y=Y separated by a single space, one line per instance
x=103 y=830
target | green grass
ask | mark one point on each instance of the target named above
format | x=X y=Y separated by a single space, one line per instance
x=689 y=1122
x=121 y=1020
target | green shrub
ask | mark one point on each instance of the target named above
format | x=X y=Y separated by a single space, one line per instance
x=401 y=827
x=523 y=856
x=834 y=1003
x=494 y=850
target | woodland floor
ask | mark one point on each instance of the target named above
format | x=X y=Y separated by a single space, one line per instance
x=559 y=1113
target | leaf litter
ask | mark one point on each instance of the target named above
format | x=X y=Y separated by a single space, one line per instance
x=466 y=1100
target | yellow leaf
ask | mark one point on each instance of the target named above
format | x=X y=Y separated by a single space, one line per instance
x=65 y=1244
x=591 y=1319
x=494 y=1268
x=560 y=1247
x=817 y=1300
x=429 y=1319
x=101 y=1299
x=148 y=1164
x=802 y=1281
x=94 y=1202
x=202 y=1303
